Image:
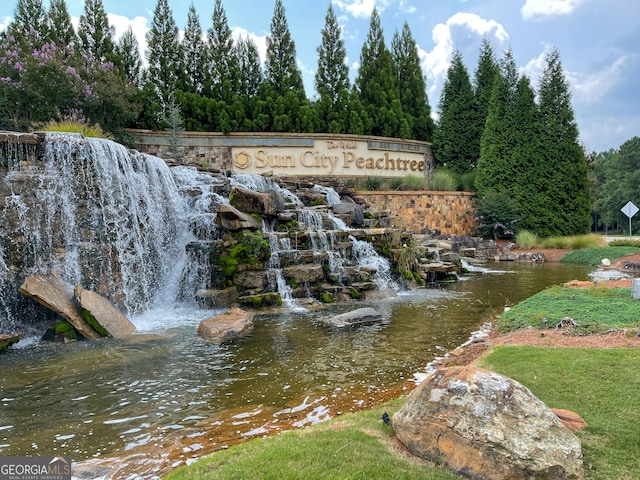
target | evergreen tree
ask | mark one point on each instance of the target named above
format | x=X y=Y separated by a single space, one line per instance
x=568 y=185
x=165 y=72
x=495 y=171
x=60 y=29
x=332 y=76
x=249 y=65
x=194 y=53
x=129 y=56
x=618 y=182
x=412 y=85
x=454 y=142
x=281 y=68
x=175 y=129
x=483 y=81
x=376 y=84
x=29 y=24
x=95 y=34
x=224 y=71
x=529 y=177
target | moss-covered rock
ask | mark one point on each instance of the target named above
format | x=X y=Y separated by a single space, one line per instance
x=61 y=331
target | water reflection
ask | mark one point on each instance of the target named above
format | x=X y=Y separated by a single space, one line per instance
x=95 y=398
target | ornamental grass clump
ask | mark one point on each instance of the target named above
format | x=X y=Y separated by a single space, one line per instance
x=526 y=239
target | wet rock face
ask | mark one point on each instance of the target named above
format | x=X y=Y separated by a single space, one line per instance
x=57 y=296
x=103 y=312
x=486 y=426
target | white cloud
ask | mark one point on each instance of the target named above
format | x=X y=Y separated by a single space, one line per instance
x=589 y=88
x=534 y=67
x=4 y=23
x=538 y=9
x=357 y=8
x=436 y=62
x=259 y=40
x=586 y=87
x=363 y=8
x=139 y=27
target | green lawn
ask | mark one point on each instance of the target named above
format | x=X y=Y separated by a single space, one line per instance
x=594 y=309
x=602 y=385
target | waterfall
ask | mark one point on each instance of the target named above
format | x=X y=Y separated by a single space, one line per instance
x=125 y=225
x=367 y=258
x=95 y=214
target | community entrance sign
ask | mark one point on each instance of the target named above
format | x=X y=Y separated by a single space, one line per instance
x=329 y=157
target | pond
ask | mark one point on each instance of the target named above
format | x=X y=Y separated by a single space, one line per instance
x=108 y=397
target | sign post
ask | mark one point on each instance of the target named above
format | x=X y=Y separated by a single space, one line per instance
x=630 y=210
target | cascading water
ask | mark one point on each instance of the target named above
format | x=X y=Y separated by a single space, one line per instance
x=114 y=221
x=127 y=226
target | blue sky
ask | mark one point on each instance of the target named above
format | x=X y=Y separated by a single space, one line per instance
x=598 y=41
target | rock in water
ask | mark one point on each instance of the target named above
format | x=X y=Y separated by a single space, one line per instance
x=57 y=296
x=361 y=316
x=226 y=326
x=106 y=315
x=486 y=426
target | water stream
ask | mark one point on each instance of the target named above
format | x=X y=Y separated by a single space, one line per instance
x=108 y=397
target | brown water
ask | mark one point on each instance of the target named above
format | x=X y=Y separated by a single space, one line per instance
x=109 y=397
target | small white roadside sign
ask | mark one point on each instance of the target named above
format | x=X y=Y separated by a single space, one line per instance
x=630 y=210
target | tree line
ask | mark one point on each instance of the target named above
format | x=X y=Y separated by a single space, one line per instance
x=48 y=71
x=519 y=146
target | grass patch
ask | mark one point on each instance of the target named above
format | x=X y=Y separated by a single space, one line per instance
x=599 y=384
x=585 y=305
x=76 y=126
x=354 y=446
x=575 y=242
x=526 y=239
x=594 y=256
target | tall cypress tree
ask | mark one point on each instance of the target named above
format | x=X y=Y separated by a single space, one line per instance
x=60 y=29
x=376 y=84
x=529 y=178
x=95 y=34
x=29 y=18
x=569 y=186
x=281 y=68
x=454 y=142
x=332 y=76
x=223 y=72
x=250 y=68
x=129 y=56
x=495 y=171
x=412 y=85
x=483 y=81
x=194 y=53
x=165 y=72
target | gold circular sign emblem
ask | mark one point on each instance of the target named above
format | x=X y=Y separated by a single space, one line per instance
x=242 y=160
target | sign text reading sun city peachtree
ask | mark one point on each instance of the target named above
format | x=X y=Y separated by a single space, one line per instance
x=328 y=157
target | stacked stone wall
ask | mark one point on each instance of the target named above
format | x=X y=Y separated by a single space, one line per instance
x=425 y=211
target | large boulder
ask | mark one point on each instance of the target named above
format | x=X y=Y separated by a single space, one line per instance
x=217 y=298
x=252 y=279
x=304 y=273
x=96 y=308
x=488 y=427
x=353 y=210
x=233 y=219
x=261 y=203
x=361 y=316
x=57 y=296
x=225 y=327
